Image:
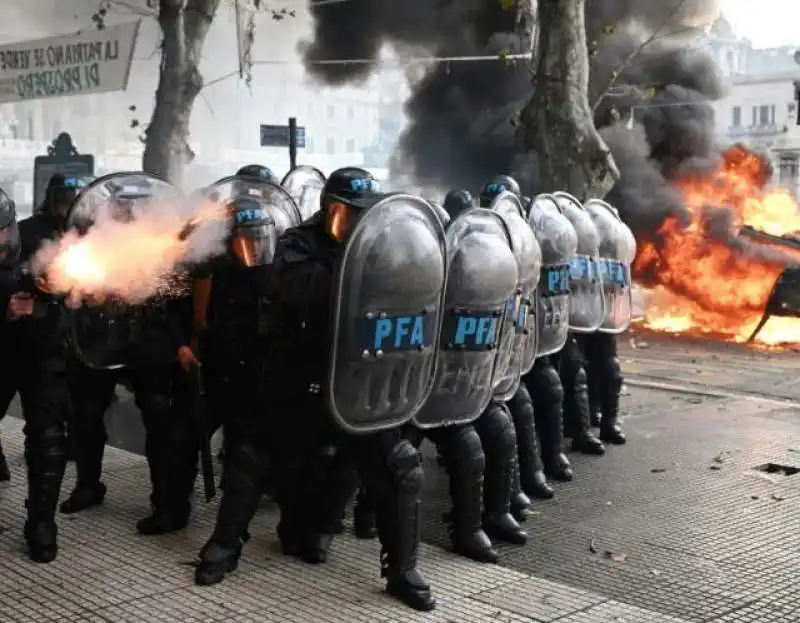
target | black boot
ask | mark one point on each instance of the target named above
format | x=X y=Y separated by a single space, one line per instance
x=220 y=555
x=465 y=467
x=170 y=506
x=496 y=430
x=530 y=469
x=576 y=406
x=83 y=496
x=46 y=458
x=397 y=512
x=216 y=562
x=329 y=483
x=364 y=516
x=520 y=502
x=5 y=474
x=547 y=395
x=610 y=430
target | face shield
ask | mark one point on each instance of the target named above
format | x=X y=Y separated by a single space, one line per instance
x=254 y=236
x=340 y=218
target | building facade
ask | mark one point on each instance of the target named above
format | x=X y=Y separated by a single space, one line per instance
x=760 y=109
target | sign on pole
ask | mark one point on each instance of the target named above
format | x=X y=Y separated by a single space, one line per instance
x=89 y=61
x=292 y=136
x=62 y=157
x=279 y=136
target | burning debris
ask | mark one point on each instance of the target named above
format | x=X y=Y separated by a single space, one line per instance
x=715 y=271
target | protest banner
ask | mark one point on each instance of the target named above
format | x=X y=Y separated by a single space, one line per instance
x=89 y=61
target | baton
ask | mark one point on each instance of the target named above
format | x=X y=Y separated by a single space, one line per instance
x=198 y=407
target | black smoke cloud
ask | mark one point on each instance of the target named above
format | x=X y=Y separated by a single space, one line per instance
x=462 y=114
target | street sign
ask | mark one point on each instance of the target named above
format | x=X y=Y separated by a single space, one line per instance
x=278 y=136
x=62 y=157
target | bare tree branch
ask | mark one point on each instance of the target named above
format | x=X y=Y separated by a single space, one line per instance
x=657 y=35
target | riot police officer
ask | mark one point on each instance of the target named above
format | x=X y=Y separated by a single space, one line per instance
x=587 y=310
x=133 y=342
x=32 y=328
x=617 y=250
x=498 y=433
x=225 y=326
x=302 y=433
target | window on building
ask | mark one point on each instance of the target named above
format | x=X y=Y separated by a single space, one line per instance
x=331 y=111
x=736 y=122
x=351 y=113
x=789 y=172
x=350 y=146
x=763 y=115
x=330 y=146
x=772 y=115
x=755 y=116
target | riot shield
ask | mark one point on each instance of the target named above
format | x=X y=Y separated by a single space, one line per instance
x=617 y=251
x=387 y=314
x=112 y=335
x=273 y=200
x=305 y=184
x=529 y=264
x=482 y=277
x=587 y=301
x=558 y=242
x=233 y=188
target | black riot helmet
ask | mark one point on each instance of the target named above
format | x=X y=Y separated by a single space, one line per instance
x=260 y=172
x=125 y=196
x=254 y=235
x=347 y=193
x=498 y=184
x=457 y=201
x=61 y=193
x=9 y=231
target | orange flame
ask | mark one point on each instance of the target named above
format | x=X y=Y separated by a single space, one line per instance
x=705 y=286
x=130 y=261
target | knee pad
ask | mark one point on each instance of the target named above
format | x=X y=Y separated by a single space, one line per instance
x=521 y=405
x=497 y=431
x=463 y=450
x=549 y=387
x=405 y=464
x=46 y=446
x=612 y=373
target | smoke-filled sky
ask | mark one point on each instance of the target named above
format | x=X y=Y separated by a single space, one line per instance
x=767 y=23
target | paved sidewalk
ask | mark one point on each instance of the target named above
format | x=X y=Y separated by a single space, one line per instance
x=107 y=573
x=676 y=527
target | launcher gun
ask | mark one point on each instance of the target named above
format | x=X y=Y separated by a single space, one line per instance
x=784 y=301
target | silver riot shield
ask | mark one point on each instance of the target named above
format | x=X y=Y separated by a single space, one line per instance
x=559 y=242
x=110 y=336
x=275 y=200
x=529 y=263
x=482 y=277
x=283 y=207
x=387 y=314
x=587 y=301
x=617 y=251
x=305 y=184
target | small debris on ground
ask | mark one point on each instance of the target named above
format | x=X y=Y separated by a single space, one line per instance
x=657 y=470
x=593 y=546
x=777 y=498
x=615 y=556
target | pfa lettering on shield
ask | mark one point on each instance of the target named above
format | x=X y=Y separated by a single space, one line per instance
x=386 y=334
x=468 y=331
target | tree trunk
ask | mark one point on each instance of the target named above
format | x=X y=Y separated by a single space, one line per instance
x=184 y=26
x=557 y=121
